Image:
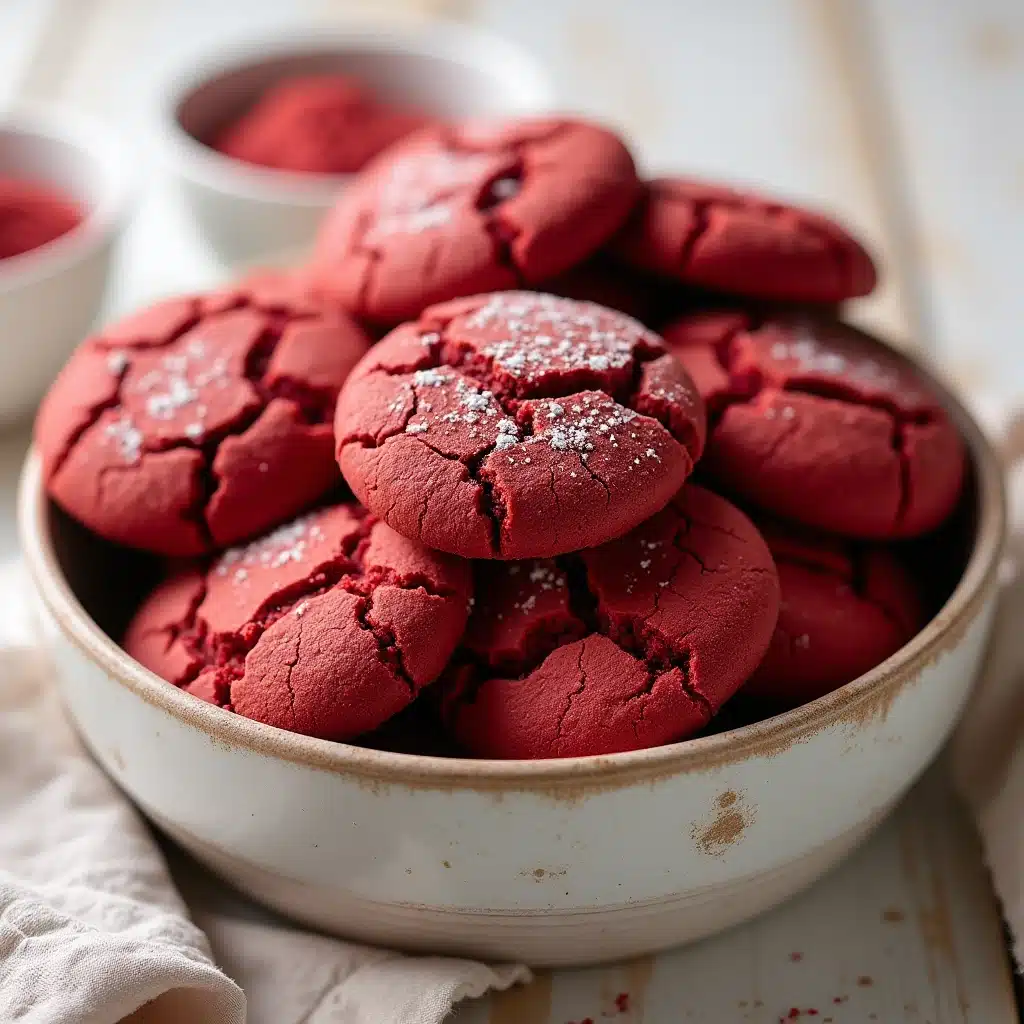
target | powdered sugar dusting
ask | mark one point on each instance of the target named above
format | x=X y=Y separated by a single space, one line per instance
x=127 y=438
x=288 y=543
x=592 y=419
x=537 y=578
x=539 y=333
x=117 y=362
x=811 y=356
x=176 y=385
x=417 y=193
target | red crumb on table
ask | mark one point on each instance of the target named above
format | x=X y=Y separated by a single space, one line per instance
x=622 y=1002
x=32 y=215
x=319 y=124
x=796 y=957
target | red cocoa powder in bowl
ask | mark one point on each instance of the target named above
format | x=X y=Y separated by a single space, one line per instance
x=319 y=124
x=32 y=214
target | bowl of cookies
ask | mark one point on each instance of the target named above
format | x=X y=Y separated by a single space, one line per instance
x=564 y=582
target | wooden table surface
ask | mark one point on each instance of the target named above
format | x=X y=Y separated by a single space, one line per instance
x=903 y=117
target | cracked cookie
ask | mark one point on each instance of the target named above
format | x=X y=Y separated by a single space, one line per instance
x=845 y=608
x=742 y=243
x=518 y=425
x=630 y=645
x=327 y=626
x=817 y=422
x=200 y=421
x=469 y=208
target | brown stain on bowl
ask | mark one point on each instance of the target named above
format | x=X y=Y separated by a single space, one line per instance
x=539 y=874
x=730 y=819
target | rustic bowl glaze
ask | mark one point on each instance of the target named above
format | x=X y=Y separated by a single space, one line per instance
x=553 y=862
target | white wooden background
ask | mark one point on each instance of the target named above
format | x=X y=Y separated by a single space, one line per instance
x=906 y=117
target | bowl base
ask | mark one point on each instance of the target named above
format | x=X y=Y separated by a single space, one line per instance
x=539 y=938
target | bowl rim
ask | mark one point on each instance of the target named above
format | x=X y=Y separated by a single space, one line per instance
x=85 y=135
x=868 y=696
x=446 y=40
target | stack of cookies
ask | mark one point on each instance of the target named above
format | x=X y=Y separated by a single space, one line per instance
x=613 y=465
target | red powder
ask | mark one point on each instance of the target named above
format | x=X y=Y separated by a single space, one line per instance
x=622 y=1002
x=32 y=215
x=326 y=124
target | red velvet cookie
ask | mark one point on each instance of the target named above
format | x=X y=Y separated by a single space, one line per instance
x=819 y=423
x=609 y=284
x=325 y=124
x=741 y=242
x=472 y=208
x=630 y=645
x=200 y=421
x=517 y=425
x=845 y=608
x=327 y=626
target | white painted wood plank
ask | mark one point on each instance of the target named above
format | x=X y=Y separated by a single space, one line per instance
x=956 y=78
x=902 y=932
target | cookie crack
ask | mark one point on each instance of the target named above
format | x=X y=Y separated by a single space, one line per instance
x=290 y=667
x=701 y=223
x=571 y=697
x=96 y=411
x=388 y=652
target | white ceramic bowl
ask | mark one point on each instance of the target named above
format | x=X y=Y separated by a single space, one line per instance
x=243 y=211
x=50 y=296
x=554 y=862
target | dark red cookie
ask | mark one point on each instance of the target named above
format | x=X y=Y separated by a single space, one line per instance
x=325 y=124
x=200 y=421
x=472 y=208
x=845 y=608
x=630 y=645
x=822 y=424
x=609 y=284
x=741 y=242
x=518 y=425
x=327 y=626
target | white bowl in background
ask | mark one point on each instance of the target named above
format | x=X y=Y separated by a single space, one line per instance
x=51 y=295
x=243 y=210
x=555 y=862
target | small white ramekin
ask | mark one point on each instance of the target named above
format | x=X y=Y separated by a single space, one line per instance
x=51 y=295
x=244 y=211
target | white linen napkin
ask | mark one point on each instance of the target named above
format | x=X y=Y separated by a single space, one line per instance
x=94 y=929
